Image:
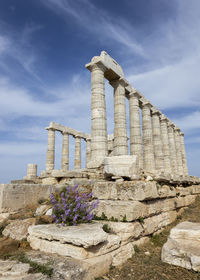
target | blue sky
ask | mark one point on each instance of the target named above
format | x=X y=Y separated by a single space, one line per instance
x=44 y=46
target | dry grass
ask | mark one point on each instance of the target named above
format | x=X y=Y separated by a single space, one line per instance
x=150 y=267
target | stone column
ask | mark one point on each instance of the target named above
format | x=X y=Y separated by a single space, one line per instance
x=99 y=148
x=77 y=158
x=88 y=151
x=172 y=148
x=31 y=171
x=157 y=141
x=135 y=128
x=120 y=133
x=184 y=160
x=50 y=150
x=165 y=144
x=65 y=152
x=148 y=151
x=178 y=151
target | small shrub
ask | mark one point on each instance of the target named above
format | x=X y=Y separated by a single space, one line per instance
x=141 y=220
x=41 y=200
x=124 y=220
x=136 y=249
x=70 y=207
x=106 y=228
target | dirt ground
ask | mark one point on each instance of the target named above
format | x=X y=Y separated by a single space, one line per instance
x=146 y=263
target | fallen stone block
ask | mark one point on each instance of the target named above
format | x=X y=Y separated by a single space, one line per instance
x=85 y=235
x=124 y=166
x=183 y=246
x=18 y=229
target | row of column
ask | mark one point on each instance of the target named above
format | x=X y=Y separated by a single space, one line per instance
x=159 y=145
x=50 y=162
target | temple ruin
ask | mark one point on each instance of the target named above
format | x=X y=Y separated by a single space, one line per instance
x=156 y=143
x=139 y=193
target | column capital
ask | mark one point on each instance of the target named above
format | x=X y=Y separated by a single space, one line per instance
x=163 y=118
x=181 y=133
x=171 y=124
x=77 y=136
x=176 y=128
x=147 y=104
x=155 y=111
x=96 y=66
x=134 y=93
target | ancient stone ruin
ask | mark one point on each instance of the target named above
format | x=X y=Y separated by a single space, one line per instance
x=139 y=193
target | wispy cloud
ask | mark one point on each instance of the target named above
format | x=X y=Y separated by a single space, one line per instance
x=99 y=22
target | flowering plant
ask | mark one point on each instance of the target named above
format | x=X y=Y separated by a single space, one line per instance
x=71 y=207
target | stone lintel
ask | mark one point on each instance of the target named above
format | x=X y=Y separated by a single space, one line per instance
x=112 y=69
x=64 y=129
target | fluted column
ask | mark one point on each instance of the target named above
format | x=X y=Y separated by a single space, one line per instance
x=178 y=151
x=50 y=150
x=120 y=132
x=65 y=152
x=99 y=147
x=148 y=151
x=135 y=128
x=157 y=142
x=184 y=160
x=172 y=147
x=77 y=157
x=88 y=151
x=165 y=144
x=31 y=171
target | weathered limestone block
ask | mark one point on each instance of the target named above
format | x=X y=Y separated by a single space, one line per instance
x=184 y=201
x=85 y=235
x=122 y=254
x=195 y=189
x=119 y=209
x=42 y=209
x=183 y=191
x=68 y=250
x=125 y=191
x=49 y=181
x=166 y=191
x=17 y=196
x=68 y=174
x=155 y=223
x=126 y=231
x=18 y=229
x=124 y=166
x=183 y=246
x=3 y=218
x=13 y=270
x=97 y=266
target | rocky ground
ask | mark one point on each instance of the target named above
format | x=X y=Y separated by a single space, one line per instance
x=146 y=263
x=24 y=263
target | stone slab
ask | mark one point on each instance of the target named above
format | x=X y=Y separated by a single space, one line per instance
x=186 y=230
x=68 y=250
x=124 y=166
x=86 y=235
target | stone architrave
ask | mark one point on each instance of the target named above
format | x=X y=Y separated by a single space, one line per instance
x=65 y=152
x=88 y=151
x=77 y=158
x=178 y=151
x=148 y=150
x=184 y=160
x=135 y=127
x=172 y=147
x=120 y=132
x=99 y=147
x=165 y=144
x=50 y=150
x=157 y=141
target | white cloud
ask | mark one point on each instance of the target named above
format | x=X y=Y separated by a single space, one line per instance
x=190 y=121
